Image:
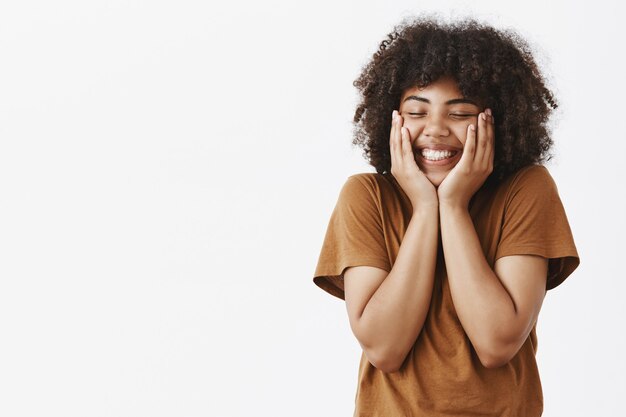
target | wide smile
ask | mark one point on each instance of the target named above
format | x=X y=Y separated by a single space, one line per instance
x=438 y=158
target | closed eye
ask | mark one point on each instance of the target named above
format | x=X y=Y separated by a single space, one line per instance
x=458 y=115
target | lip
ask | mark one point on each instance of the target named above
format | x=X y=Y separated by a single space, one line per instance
x=442 y=162
x=439 y=147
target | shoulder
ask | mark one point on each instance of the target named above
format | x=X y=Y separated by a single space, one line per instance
x=379 y=183
x=372 y=183
x=532 y=173
x=533 y=179
x=381 y=187
x=368 y=179
x=358 y=190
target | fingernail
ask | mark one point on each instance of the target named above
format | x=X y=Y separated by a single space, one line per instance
x=394 y=115
x=488 y=111
x=472 y=127
x=482 y=115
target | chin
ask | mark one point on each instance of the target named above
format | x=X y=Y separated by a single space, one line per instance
x=436 y=179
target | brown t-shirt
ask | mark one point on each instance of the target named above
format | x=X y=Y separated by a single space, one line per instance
x=442 y=374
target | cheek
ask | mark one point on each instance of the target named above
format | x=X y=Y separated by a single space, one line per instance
x=415 y=128
x=461 y=131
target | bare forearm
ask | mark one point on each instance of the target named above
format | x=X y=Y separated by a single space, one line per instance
x=484 y=307
x=395 y=314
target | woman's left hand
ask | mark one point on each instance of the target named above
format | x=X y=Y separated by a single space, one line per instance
x=474 y=167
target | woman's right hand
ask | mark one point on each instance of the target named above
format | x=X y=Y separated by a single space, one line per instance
x=416 y=186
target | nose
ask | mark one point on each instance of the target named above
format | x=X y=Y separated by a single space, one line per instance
x=435 y=127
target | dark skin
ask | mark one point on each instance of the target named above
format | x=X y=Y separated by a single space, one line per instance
x=497 y=307
x=444 y=119
x=486 y=63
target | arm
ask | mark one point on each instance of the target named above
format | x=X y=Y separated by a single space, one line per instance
x=387 y=317
x=497 y=309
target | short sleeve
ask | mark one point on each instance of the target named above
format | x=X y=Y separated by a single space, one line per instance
x=354 y=236
x=535 y=223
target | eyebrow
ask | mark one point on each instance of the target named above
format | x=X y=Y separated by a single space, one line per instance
x=453 y=101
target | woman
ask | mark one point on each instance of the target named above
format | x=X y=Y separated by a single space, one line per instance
x=444 y=255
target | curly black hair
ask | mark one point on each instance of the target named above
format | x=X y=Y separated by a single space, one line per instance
x=496 y=67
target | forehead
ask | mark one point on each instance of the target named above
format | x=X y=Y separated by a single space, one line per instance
x=442 y=90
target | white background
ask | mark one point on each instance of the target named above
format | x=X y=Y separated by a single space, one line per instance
x=167 y=173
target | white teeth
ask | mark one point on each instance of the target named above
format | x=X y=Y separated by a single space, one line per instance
x=436 y=155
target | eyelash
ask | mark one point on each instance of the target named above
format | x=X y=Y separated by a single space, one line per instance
x=453 y=114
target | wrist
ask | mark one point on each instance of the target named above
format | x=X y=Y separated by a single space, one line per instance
x=425 y=208
x=453 y=206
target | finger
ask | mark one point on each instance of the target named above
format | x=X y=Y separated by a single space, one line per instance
x=392 y=142
x=470 y=146
x=407 y=152
x=489 y=155
x=481 y=139
x=397 y=140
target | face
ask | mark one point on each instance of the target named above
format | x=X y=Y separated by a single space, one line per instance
x=438 y=117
